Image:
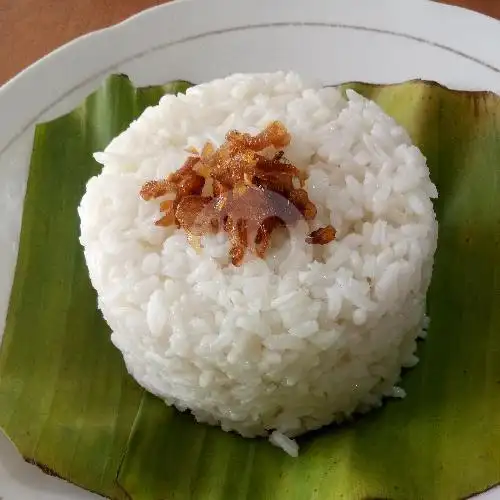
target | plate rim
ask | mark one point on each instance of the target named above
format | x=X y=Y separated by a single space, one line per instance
x=153 y=10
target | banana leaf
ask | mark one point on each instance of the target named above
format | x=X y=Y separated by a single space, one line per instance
x=69 y=406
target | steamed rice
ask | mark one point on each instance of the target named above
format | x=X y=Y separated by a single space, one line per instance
x=305 y=337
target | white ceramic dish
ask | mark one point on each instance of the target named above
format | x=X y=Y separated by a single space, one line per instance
x=382 y=41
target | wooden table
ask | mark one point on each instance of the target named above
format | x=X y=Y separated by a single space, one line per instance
x=29 y=29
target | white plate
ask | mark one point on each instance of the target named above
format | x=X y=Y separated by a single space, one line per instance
x=381 y=41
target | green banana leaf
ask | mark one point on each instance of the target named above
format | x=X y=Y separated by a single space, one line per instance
x=69 y=406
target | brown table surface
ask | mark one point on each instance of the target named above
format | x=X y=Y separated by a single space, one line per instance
x=29 y=29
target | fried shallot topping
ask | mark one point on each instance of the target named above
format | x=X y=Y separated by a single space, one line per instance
x=321 y=236
x=240 y=188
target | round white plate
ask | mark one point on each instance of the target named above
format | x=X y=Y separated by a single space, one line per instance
x=381 y=41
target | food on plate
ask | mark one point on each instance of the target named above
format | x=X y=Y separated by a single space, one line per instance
x=315 y=322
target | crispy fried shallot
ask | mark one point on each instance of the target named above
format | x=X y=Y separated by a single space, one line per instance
x=253 y=192
x=321 y=236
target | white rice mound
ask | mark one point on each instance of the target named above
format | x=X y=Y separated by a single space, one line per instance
x=299 y=340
